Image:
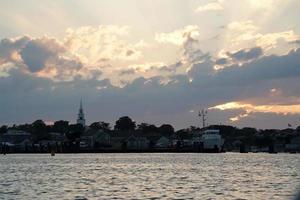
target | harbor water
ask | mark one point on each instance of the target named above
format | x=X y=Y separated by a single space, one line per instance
x=150 y=176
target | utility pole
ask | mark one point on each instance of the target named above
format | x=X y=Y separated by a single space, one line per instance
x=203 y=114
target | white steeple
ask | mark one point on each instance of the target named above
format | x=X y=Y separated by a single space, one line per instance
x=80 y=118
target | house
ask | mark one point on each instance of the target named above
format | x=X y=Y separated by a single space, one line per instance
x=95 y=139
x=137 y=143
x=17 y=140
x=294 y=144
x=15 y=136
x=162 y=143
x=58 y=137
x=118 y=143
x=102 y=139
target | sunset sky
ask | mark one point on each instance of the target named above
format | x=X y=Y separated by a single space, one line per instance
x=157 y=61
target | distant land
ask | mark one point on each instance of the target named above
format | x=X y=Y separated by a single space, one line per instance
x=127 y=136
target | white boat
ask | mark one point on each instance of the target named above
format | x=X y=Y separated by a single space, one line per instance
x=212 y=140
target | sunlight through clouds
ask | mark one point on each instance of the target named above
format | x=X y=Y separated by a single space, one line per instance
x=238 y=58
x=250 y=108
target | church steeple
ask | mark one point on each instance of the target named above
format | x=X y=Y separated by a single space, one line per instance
x=80 y=118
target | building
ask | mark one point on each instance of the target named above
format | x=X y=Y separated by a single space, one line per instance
x=95 y=139
x=80 y=118
x=15 y=136
x=212 y=139
x=162 y=143
x=136 y=143
x=294 y=145
x=16 y=140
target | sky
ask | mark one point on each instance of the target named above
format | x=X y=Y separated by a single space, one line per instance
x=157 y=61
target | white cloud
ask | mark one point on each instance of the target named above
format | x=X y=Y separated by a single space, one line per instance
x=93 y=44
x=214 y=6
x=250 y=108
x=178 y=37
x=241 y=34
x=270 y=40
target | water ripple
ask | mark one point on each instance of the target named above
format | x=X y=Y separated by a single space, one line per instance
x=150 y=176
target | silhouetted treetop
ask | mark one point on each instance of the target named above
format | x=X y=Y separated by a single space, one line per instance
x=147 y=128
x=166 y=129
x=125 y=123
x=100 y=126
x=61 y=126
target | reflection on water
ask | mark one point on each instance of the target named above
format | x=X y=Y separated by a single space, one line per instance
x=152 y=176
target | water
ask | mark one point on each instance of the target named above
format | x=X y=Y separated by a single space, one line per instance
x=150 y=176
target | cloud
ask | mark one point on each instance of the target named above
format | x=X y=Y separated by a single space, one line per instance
x=100 y=64
x=179 y=37
x=47 y=57
x=246 y=54
x=271 y=40
x=156 y=99
x=222 y=61
x=280 y=109
x=9 y=48
x=248 y=109
x=92 y=44
x=37 y=52
x=80 y=53
x=295 y=41
x=239 y=57
x=244 y=33
x=214 y=6
x=127 y=72
x=265 y=5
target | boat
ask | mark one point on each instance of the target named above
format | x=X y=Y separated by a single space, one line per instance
x=212 y=141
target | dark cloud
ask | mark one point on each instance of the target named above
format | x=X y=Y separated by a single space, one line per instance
x=246 y=54
x=127 y=72
x=222 y=61
x=9 y=46
x=129 y=52
x=37 y=52
x=191 y=50
x=168 y=68
x=265 y=68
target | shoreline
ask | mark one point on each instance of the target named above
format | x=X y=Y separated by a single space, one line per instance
x=145 y=152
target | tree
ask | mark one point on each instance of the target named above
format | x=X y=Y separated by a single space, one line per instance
x=39 y=130
x=166 y=129
x=100 y=126
x=125 y=124
x=298 y=129
x=182 y=134
x=24 y=127
x=75 y=131
x=147 y=128
x=3 y=129
x=61 y=126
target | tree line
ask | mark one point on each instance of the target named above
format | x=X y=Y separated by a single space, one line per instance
x=248 y=135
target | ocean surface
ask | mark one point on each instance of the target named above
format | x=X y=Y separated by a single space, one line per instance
x=150 y=176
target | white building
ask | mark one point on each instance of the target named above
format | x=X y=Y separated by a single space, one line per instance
x=212 y=139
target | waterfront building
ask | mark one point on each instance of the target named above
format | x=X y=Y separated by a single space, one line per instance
x=15 y=136
x=211 y=139
x=137 y=143
x=163 y=143
x=95 y=139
